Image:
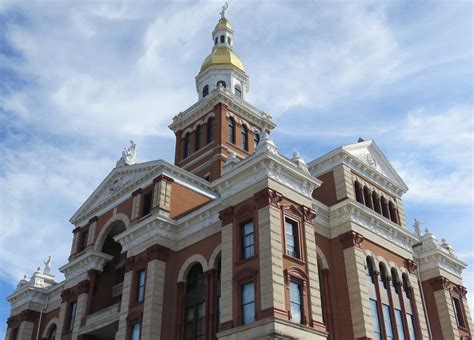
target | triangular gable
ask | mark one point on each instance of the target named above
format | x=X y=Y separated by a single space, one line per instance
x=370 y=154
x=117 y=180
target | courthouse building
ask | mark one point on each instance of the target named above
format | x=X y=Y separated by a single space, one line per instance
x=238 y=241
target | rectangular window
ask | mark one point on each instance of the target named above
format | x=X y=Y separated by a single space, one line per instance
x=398 y=319
x=135 y=334
x=291 y=238
x=296 y=306
x=140 y=286
x=147 y=203
x=72 y=315
x=248 y=303
x=83 y=240
x=459 y=313
x=246 y=240
x=411 y=326
x=387 y=321
x=375 y=320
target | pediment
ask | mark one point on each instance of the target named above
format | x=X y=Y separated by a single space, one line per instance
x=370 y=154
x=115 y=184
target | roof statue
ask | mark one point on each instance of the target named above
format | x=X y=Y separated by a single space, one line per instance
x=47 y=266
x=417 y=227
x=224 y=8
x=128 y=155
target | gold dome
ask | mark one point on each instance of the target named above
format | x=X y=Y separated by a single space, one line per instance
x=222 y=56
x=223 y=24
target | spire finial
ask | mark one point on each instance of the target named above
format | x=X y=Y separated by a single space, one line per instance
x=224 y=8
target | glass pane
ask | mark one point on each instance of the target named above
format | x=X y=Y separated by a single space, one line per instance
x=387 y=321
x=248 y=240
x=136 y=331
x=248 y=252
x=248 y=313
x=375 y=320
x=295 y=312
x=295 y=293
x=248 y=228
x=459 y=314
x=247 y=293
x=201 y=310
x=411 y=326
x=190 y=314
x=288 y=228
x=398 y=319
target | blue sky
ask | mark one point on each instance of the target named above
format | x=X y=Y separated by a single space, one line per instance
x=78 y=80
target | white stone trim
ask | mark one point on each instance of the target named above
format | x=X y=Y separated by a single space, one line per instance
x=99 y=242
x=214 y=256
x=196 y=258
x=48 y=326
x=320 y=254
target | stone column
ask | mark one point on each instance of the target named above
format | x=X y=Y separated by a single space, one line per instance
x=226 y=217
x=61 y=319
x=354 y=259
x=25 y=332
x=80 y=308
x=162 y=194
x=312 y=265
x=92 y=229
x=124 y=304
x=154 y=292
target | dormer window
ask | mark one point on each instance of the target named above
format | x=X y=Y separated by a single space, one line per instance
x=221 y=82
x=205 y=90
x=222 y=39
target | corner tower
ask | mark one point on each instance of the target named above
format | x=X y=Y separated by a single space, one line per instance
x=221 y=124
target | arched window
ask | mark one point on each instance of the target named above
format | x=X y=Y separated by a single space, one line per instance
x=216 y=40
x=383 y=275
x=393 y=212
x=383 y=203
x=370 y=270
x=194 y=317
x=205 y=91
x=245 y=140
x=231 y=130
x=367 y=197
x=406 y=285
x=238 y=91
x=210 y=123
x=221 y=82
x=376 y=202
x=197 y=138
x=186 y=145
x=52 y=333
x=256 y=139
x=358 y=192
x=222 y=39
x=395 y=280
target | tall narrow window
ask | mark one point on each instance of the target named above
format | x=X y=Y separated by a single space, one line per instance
x=72 y=315
x=186 y=145
x=140 y=286
x=238 y=91
x=387 y=321
x=406 y=285
x=135 y=333
x=398 y=320
x=393 y=212
x=195 y=305
x=376 y=201
x=246 y=240
x=216 y=40
x=205 y=91
x=209 y=127
x=394 y=281
x=197 y=138
x=383 y=276
x=218 y=294
x=383 y=203
x=411 y=326
x=256 y=139
x=459 y=313
x=52 y=333
x=222 y=39
x=245 y=140
x=358 y=192
x=367 y=197
x=370 y=270
x=291 y=238
x=296 y=307
x=248 y=303
x=83 y=240
x=231 y=130
x=375 y=320
x=146 y=209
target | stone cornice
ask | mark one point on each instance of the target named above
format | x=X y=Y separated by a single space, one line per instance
x=90 y=260
x=225 y=96
x=351 y=211
x=341 y=156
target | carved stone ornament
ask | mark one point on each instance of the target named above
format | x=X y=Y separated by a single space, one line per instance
x=463 y=291
x=163 y=177
x=157 y=252
x=351 y=239
x=439 y=283
x=128 y=155
x=309 y=215
x=267 y=197
x=411 y=266
x=227 y=216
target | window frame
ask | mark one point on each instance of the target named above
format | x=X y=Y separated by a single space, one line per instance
x=459 y=313
x=299 y=286
x=241 y=302
x=298 y=276
x=244 y=130
x=209 y=129
x=242 y=234
x=186 y=146
x=297 y=237
x=231 y=130
x=72 y=313
x=139 y=289
x=197 y=138
x=205 y=91
x=132 y=329
x=146 y=206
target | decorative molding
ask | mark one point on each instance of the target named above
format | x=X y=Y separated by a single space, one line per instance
x=157 y=252
x=411 y=266
x=351 y=239
x=226 y=216
x=89 y=260
x=163 y=177
x=267 y=197
x=71 y=294
x=439 y=283
x=309 y=215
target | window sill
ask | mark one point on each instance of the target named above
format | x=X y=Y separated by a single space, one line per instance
x=243 y=261
x=294 y=259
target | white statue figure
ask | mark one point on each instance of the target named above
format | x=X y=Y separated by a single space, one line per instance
x=47 y=266
x=417 y=226
x=128 y=155
x=224 y=8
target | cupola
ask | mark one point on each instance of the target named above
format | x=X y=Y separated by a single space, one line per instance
x=223 y=66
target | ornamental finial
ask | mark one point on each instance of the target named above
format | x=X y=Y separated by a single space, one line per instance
x=224 y=8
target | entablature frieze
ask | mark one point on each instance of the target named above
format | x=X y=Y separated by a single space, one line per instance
x=90 y=260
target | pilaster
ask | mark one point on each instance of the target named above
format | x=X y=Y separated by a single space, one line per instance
x=446 y=314
x=419 y=306
x=124 y=305
x=162 y=194
x=226 y=274
x=25 y=331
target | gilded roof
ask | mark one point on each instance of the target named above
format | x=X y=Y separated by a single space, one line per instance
x=222 y=55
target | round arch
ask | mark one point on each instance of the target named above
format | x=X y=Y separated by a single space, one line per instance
x=196 y=258
x=120 y=217
x=322 y=257
x=49 y=325
x=214 y=257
